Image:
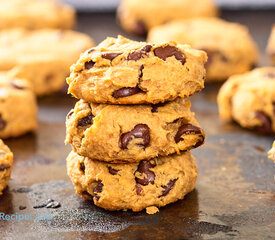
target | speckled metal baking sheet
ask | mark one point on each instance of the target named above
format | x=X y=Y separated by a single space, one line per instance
x=235 y=193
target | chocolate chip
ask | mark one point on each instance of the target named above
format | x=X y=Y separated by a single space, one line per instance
x=89 y=64
x=168 y=187
x=16 y=85
x=110 y=55
x=4 y=166
x=266 y=127
x=169 y=51
x=88 y=120
x=2 y=123
x=144 y=167
x=98 y=189
x=269 y=75
x=156 y=106
x=126 y=92
x=199 y=143
x=138 y=54
x=112 y=170
x=82 y=167
x=146 y=48
x=138 y=189
x=140 y=28
x=139 y=131
x=186 y=129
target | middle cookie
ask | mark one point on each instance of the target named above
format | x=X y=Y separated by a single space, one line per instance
x=123 y=133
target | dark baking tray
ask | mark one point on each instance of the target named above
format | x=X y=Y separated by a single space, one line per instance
x=235 y=192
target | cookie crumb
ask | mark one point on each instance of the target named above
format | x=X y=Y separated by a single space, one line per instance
x=152 y=210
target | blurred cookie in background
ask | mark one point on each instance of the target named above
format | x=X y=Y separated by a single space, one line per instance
x=249 y=99
x=35 y=14
x=139 y=16
x=271 y=45
x=43 y=57
x=229 y=46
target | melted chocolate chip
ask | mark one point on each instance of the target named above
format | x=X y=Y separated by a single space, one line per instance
x=112 y=170
x=110 y=55
x=16 y=85
x=266 y=127
x=168 y=187
x=138 y=54
x=126 y=92
x=156 y=106
x=88 y=120
x=186 y=129
x=89 y=64
x=98 y=189
x=140 y=28
x=139 y=131
x=138 y=189
x=146 y=48
x=144 y=167
x=4 y=166
x=2 y=123
x=169 y=51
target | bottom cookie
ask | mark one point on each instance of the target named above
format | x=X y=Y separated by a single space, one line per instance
x=6 y=162
x=136 y=186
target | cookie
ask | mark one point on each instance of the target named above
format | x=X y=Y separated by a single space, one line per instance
x=134 y=186
x=139 y=16
x=123 y=133
x=18 y=107
x=35 y=14
x=121 y=71
x=6 y=162
x=43 y=56
x=249 y=99
x=271 y=153
x=232 y=52
x=271 y=45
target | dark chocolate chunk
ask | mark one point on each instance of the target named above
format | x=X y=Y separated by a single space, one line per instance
x=112 y=170
x=138 y=54
x=4 y=166
x=186 y=129
x=89 y=64
x=169 y=51
x=156 y=106
x=266 y=127
x=88 y=120
x=2 y=123
x=146 y=48
x=168 y=187
x=16 y=85
x=126 y=92
x=110 y=55
x=139 y=131
x=144 y=167
x=98 y=189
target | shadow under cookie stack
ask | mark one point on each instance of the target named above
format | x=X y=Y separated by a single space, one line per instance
x=132 y=129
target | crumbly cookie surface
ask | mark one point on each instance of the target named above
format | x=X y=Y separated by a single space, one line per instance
x=123 y=133
x=135 y=186
x=43 y=56
x=121 y=71
x=18 y=107
x=271 y=45
x=138 y=16
x=231 y=52
x=249 y=99
x=6 y=163
x=35 y=14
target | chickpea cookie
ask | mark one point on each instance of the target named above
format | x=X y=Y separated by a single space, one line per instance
x=231 y=52
x=6 y=162
x=27 y=14
x=121 y=71
x=271 y=153
x=135 y=186
x=18 y=107
x=123 y=133
x=249 y=99
x=271 y=45
x=43 y=57
x=139 y=16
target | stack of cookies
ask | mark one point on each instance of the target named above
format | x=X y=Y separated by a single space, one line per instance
x=132 y=129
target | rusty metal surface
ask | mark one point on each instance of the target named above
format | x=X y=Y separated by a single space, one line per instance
x=234 y=196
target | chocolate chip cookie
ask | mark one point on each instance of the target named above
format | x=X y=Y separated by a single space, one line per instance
x=229 y=46
x=43 y=56
x=34 y=14
x=271 y=45
x=138 y=16
x=18 y=107
x=249 y=99
x=123 y=133
x=6 y=162
x=135 y=186
x=271 y=153
x=121 y=71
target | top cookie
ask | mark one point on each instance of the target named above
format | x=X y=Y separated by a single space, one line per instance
x=35 y=14
x=271 y=45
x=121 y=71
x=249 y=99
x=138 y=16
x=229 y=46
